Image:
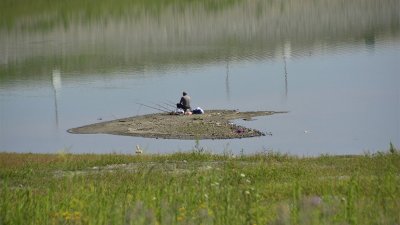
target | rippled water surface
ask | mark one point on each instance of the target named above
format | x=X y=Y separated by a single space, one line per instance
x=334 y=65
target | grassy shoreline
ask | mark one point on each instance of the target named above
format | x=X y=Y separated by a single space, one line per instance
x=199 y=188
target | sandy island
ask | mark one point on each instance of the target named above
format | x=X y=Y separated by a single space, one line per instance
x=213 y=124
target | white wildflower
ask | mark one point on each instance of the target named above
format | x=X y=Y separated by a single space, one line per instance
x=215 y=184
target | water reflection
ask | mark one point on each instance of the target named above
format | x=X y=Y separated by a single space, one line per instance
x=108 y=37
x=287 y=53
x=56 y=82
x=228 y=91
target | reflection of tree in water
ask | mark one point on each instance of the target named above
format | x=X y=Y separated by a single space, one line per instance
x=227 y=89
x=370 y=40
x=56 y=82
x=287 y=52
x=163 y=35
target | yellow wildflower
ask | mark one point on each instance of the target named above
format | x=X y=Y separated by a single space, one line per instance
x=180 y=218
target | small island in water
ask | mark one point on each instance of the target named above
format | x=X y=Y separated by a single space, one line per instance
x=213 y=124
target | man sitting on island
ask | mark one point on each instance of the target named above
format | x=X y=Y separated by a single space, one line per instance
x=184 y=104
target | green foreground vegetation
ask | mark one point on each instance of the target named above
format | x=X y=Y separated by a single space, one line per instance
x=199 y=188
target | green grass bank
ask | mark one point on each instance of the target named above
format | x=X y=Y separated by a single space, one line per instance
x=199 y=188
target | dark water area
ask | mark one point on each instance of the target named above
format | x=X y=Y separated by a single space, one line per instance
x=334 y=65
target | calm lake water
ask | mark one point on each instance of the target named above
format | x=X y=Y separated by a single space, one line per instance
x=334 y=65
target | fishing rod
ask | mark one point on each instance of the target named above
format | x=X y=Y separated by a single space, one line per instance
x=159 y=105
x=163 y=107
x=151 y=107
x=169 y=104
x=167 y=107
